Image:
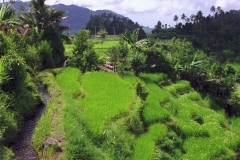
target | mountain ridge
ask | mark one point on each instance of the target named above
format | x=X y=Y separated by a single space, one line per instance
x=77 y=16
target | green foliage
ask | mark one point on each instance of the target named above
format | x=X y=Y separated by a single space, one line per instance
x=131 y=37
x=33 y=59
x=8 y=127
x=102 y=33
x=45 y=52
x=234 y=102
x=46 y=23
x=113 y=23
x=13 y=67
x=5 y=44
x=6 y=153
x=137 y=61
x=84 y=57
x=81 y=42
x=156 y=60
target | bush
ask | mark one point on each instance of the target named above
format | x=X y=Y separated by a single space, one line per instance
x=32 y=58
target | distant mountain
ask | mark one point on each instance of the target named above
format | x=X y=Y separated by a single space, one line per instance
x=77 y=17
x=147 y=30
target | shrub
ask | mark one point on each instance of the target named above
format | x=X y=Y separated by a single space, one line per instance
x=32 y=58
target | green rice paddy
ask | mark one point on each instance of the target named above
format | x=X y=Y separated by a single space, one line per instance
x=103 y=118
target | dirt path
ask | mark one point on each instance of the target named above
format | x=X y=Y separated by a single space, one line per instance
x=23 y=149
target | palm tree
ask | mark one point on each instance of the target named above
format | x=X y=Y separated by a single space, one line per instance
x=199 y=16
x=46 y=20
x=188 y=20
x=183 y=17
x=41 y=17
x=192 y=18
x=213 y=9
x=219 y=10
x=175 y=18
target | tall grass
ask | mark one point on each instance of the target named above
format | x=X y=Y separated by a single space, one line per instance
x=145 y=144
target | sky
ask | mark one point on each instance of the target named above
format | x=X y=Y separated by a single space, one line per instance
x=149 y=12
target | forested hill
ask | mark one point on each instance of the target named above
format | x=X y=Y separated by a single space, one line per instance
x=77 y=17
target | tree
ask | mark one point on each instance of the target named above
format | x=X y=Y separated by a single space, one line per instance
x=213 y=9
x=84 y=56
x=183 y=17
x=157 y=28
x=192 y=18
x=175 y=18
x=102 y=33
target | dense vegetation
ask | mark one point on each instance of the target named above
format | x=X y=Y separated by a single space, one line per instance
x=174 y=100
x=217 y=34
x=113 y=24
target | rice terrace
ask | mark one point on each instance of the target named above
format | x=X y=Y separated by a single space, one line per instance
x=112 y=92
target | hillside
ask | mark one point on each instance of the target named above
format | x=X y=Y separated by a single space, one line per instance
x=172 y=122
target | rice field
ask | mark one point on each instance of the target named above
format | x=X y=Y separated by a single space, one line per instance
x=103 y=118
x=107 y=96
x=99 y=47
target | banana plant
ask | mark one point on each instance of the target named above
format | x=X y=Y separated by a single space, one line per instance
x=131 y=37
x=7 y=19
